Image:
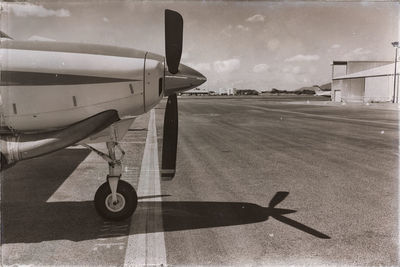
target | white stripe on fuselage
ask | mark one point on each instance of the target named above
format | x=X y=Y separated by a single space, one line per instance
x=71 y=63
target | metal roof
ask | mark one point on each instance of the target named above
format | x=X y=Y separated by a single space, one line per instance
x=385 y=70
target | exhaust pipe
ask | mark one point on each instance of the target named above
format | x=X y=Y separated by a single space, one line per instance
x=27 y=146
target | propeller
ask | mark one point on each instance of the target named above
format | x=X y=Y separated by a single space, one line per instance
x=173 y=52
x=178 y=78
x=173 y=39
x=170 y=138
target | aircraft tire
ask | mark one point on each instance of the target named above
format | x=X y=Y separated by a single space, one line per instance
x=123 y=209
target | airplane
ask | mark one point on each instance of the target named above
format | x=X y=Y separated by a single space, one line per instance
x=54 y=95
x=319 y=92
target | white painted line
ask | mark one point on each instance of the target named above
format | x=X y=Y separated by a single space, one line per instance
x=148 y=246
x=326 y=116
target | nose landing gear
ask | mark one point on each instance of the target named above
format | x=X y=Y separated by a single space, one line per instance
x=122 y=208
x=115 y=199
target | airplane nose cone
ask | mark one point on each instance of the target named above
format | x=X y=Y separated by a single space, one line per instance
x=186 y=78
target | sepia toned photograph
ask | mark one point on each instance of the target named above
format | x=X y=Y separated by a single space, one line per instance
x=199 y=133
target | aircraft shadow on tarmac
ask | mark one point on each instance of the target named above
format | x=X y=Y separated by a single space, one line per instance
x=28 y=218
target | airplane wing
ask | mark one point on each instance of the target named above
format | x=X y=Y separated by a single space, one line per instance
x=25 y=146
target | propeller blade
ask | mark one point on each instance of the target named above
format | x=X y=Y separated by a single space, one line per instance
x=278 y=198
x=170 y=138
x=173 y=39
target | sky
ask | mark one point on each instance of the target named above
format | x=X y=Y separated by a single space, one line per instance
x=236 y=44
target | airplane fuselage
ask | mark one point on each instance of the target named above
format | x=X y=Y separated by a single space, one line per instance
x=47 y=85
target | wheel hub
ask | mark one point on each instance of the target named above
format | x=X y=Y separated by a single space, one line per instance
x=115 y=206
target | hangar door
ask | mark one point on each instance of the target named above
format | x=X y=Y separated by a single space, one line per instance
x=378 y=89
x=337 y=96
x=355 y=90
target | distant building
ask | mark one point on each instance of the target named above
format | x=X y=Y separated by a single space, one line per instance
x=362 y=81
x=196 y=92
x=225 y=91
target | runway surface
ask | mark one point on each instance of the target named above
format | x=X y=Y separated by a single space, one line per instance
x=260 y=180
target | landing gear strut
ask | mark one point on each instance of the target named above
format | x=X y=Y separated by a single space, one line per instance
x=115 y=199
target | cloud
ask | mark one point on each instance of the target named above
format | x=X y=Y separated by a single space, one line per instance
x=296 y=70
x=243 y=28
x=357 y=54
x=226 y=65
x=256 y=18
x=200 y=66
x=301 y=57
x=292 y=69
x=260 y=68
x=312 y=70
x=185 y=55
x=226 y=31
x=28 y=9
x=361 y=51
x=335 y=46
x=273 y=44
x=105 y=19
x=218 y=66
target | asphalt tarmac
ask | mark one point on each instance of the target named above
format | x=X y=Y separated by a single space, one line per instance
x=260 y=181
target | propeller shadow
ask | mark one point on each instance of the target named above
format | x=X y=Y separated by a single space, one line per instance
x=77 y=221
x=194 y=215
x=27 y=217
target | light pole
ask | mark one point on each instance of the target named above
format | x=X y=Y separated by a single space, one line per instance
x=396 y=45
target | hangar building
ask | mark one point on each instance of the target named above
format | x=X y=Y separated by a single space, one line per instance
x=363 y=81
